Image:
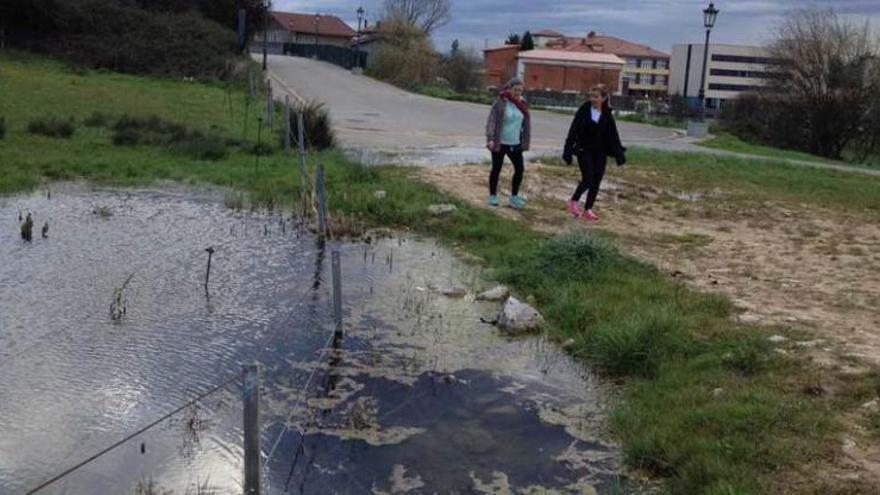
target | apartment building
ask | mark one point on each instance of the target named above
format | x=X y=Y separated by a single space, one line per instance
x=732 y=70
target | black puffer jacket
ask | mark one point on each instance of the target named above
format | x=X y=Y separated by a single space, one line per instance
x=582 y=137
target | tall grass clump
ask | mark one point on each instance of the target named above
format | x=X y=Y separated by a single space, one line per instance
x=2 y=127
x=97 y=119
x=134 y=131
x=317 y=130
x=52 y=126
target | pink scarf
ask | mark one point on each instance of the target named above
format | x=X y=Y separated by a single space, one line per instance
x=520 y=103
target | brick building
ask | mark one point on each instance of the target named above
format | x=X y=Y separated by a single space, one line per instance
x=285 y=27
x=646 y=72
x=552 y=70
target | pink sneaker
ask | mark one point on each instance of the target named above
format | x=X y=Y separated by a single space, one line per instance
x=590 y=216
x=574 y=208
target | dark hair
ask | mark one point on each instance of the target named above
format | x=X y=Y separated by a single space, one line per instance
x=603 y=90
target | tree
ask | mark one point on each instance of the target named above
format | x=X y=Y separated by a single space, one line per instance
x=455 y=46
x=527 y=42
x=427 y=15
x=825 y=74
x=822 y=96
x=406 y=58
x=463 y=70
x=512 y=39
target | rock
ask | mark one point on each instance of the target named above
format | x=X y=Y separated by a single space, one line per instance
x=748 y=319
x=380 y=194
x=776 y=339
x=517 y=317
x=442 y=209
x=498 y=293
x=569 y=344
x=717 y=392
x=872 y=405
x=454 y=292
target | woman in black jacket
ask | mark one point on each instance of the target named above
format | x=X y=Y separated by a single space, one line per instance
x=593 y=137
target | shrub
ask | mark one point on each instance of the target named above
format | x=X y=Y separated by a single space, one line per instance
x=463 y=71
x=2 y=127
x=317 y=129
x=133 y=131
x=201 y=147
x=407 y=58
x=52 y=127
x=637 y=345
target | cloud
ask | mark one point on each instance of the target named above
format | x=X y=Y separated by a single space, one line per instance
x=658 y=23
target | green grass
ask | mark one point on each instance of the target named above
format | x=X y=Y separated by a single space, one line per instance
x=659 y=121
x=704 y=404
x=729 y=142
x=447 y=93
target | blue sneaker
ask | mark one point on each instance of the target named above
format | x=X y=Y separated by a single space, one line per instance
x=517 y=202
x=493 y=200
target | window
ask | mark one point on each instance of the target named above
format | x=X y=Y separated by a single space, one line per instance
x=733 y=87
x=740 y=73
x=638 y=79
x=632 y=62
x=717 y=57
x=664 y=64
x=663 y=80
x=654 y=64
x=653 y=79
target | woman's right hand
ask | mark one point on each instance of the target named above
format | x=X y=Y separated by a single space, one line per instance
x=490 y=145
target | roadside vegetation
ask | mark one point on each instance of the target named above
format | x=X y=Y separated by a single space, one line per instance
x=704 y=404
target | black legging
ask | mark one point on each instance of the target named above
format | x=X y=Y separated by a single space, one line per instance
x=516 y=157
x=592 y=165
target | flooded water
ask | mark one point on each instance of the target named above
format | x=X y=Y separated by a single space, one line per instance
x=106 y=327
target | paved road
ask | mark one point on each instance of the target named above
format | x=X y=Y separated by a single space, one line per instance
x=386 y=124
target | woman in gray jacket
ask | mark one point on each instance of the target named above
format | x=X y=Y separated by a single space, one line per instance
x=508 y=132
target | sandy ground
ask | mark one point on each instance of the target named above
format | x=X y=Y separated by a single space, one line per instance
x=785 y=266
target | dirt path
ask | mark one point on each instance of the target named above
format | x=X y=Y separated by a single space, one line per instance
x=784 y=266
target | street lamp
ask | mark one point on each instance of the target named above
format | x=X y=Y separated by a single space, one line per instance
x=357 y=44
x=710 y=14
x=266 y=8
x=317 y=18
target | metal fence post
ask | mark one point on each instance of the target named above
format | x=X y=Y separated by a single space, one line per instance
x=305 y=195
x=251 y=392
x=287 y=124
x=337 y=294
x=322 y=201
x=270 y=106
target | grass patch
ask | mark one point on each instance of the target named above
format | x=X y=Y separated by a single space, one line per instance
x=758 y=181
x=447 y=93
x=659 y=120
x=729 y=142
x=54 y=127
x=705 y=404
x=2 y=127
x=98 y=119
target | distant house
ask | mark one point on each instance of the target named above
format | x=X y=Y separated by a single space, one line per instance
x=552 y=70
x=542 y=38
x=646 y=72
x=286 y=27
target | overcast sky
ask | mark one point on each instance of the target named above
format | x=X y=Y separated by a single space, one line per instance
x=658 y=23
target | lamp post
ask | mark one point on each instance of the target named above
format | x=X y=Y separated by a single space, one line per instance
x=317 y=19
x=710 y=14
x=357 y=43
x=266 y=8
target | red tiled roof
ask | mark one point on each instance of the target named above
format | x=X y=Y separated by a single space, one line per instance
x=549 y=33
x=567 y=56
x=606 y=44
x=503 y=47
x=328 y=25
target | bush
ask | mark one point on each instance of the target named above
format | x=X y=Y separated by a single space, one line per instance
x=52 y=127
x=2 y=127
x=133 y=131
x=463 y=71
x=638 y=345
x=407 y=58
x=317 y=129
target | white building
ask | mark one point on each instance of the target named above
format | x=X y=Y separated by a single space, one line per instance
x=732 y=70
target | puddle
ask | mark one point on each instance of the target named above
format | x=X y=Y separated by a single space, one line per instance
x=418 y=396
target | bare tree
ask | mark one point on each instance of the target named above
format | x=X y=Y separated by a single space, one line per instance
x=427 y=15
x=827 y=70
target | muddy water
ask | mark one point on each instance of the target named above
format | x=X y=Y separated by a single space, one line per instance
x=418 y=396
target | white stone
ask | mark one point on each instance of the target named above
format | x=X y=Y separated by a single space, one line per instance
x=748 y=319
x=518 y=317
x=442 y=209
x=777 y=339
x=454 y=292
x=498 y=293
x=380 y=194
